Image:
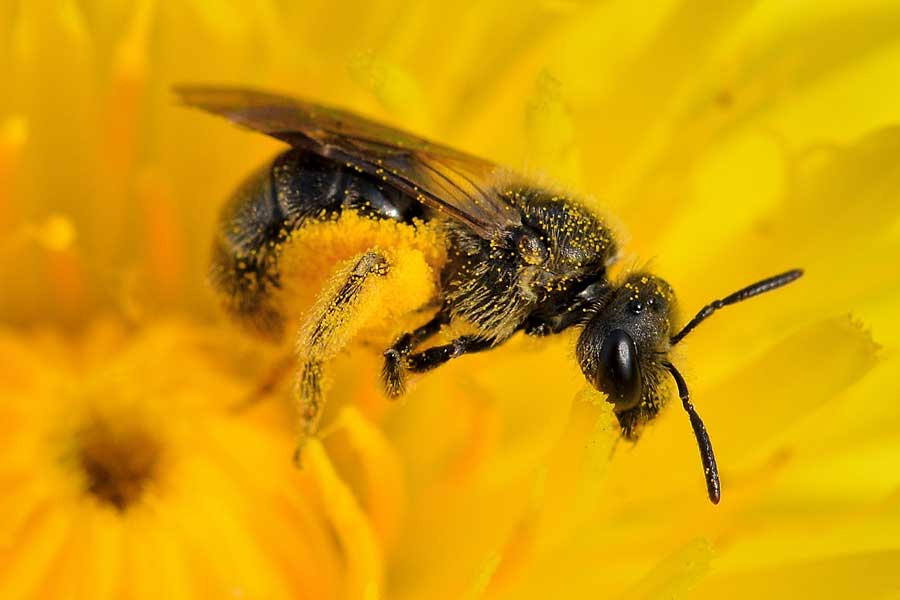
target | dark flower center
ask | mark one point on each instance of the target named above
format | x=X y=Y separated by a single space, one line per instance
x=118 y=464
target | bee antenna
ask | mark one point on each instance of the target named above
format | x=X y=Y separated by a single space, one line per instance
x=760 y=287
x=710 y=469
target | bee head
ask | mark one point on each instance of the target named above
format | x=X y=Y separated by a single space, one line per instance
x=621 y=341
x=624 y=348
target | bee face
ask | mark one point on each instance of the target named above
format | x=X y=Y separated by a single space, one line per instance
x=619 y=347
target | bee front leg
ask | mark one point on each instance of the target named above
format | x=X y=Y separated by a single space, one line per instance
x=392 y=372
x=329 y=328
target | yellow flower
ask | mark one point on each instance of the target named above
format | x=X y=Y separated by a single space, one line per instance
x=130 y=470
x=729 y=140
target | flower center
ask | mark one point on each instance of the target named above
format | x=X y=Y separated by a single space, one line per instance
x=118 y=464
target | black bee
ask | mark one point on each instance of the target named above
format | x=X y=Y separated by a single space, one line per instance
x=519 y=257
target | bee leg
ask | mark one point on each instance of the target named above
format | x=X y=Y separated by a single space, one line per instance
x=326 y=333
x=392 y=372
x=438 y=355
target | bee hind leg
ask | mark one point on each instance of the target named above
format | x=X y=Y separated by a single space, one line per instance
x=329 y=328
x=394 y=357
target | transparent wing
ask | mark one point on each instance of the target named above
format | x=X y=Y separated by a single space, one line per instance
x=453 y=182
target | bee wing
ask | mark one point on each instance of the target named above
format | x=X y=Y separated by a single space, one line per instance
x=456 y=183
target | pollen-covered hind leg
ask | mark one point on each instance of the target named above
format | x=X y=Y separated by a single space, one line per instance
x=331 y=325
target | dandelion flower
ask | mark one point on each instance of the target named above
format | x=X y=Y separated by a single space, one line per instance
x=726 y=141
x=129 y=473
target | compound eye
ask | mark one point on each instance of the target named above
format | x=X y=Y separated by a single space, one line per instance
x=619 y=363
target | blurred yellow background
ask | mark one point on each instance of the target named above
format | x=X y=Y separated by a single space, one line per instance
x=725 y=141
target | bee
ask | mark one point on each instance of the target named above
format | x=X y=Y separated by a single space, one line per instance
x=518 y=258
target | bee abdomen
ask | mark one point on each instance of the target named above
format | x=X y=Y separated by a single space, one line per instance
x=269 y=207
